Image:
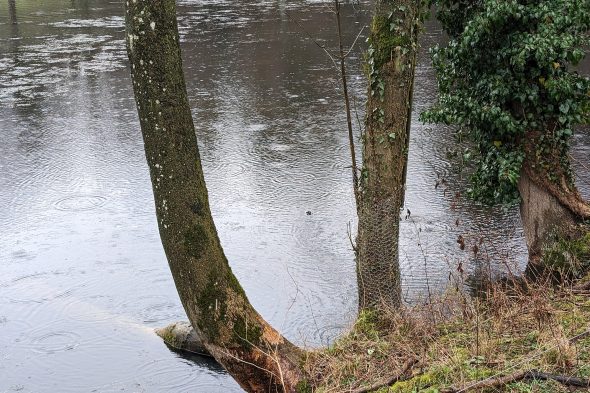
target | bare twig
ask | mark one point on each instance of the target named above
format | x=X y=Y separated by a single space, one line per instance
x=585 y=286
x=354 y=42
x=400 y=375
x=417 y=231
x=349 y=233
x=327 y=51
x=356 y=114
x=355 y=178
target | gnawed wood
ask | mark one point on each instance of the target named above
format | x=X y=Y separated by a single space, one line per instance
x=182 y=337
x=552 y=208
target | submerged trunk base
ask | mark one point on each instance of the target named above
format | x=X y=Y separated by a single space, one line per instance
x=182 y=337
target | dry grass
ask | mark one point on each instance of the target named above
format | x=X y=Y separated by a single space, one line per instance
x=459 y=340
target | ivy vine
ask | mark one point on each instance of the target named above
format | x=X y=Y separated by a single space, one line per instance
x=508 y=70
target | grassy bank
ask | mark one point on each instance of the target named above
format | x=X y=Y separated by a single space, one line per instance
x=494 y=341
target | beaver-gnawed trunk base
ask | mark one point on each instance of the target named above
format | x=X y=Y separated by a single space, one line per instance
x=182 y=337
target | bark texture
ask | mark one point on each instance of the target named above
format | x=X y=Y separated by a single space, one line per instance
x=392 y=55
x=254 y=353
x=552 y=209
x=12 y=11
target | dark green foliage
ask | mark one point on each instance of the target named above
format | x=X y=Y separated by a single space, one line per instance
x=506 y=72
x=453 y=14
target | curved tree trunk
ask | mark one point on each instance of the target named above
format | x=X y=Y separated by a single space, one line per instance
x=392 y=58
x=552 y=209
x=253 y=352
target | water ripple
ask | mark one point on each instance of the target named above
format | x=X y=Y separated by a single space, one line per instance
x=53 y=342
x=77 y=203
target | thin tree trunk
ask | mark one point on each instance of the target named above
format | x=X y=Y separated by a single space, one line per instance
x=231 y=330
x=12 y=11
x=392 y=53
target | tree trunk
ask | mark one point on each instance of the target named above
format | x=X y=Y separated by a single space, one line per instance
x=12 y=11
x=392 y=58
x=552 y=210
x=253 y=352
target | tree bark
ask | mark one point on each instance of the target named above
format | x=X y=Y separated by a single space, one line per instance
x=12 y=11
x=392 y=54
x=552 y=209
x=231 y=330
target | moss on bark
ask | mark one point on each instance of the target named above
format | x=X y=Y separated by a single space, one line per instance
x=390 y=67
x=254 y=353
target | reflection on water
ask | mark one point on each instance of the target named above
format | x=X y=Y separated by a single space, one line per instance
x=83 y=279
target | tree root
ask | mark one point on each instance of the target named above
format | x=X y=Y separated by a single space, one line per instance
x=399 y=376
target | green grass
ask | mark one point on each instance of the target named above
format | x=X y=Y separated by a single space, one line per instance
x=461 y=340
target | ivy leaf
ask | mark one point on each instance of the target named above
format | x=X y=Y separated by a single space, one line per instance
x=506 y=70
x=564 y=108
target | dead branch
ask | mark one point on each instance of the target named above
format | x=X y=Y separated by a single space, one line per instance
x=327 y=51
x=584 y=286
x=563 y=379
x=399 y=376
x=519 y=376
x=354 y=42
x=489 y=383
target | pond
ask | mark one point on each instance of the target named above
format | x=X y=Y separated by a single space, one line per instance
x=83 y=277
